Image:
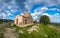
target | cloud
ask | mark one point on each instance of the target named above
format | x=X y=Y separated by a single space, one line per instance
x=45 y=14
x=38 y=12
x=26 y=5
x=41 y=11
x=53 y=18
x=7 y=8
x=48 y=2
x=9 y=14
x=29 y=3
x=2 y=15
x=56 y=14
x=21 y=4
x=54 y=9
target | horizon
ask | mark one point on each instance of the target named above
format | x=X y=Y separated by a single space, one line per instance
x=13 y=20
x=10 y=8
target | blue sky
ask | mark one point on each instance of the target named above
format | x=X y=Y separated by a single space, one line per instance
x=10 y=8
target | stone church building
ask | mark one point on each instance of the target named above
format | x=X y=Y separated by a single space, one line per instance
x=23 y=19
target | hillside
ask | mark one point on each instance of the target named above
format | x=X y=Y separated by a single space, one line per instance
x=34 y=31
x=38 y=31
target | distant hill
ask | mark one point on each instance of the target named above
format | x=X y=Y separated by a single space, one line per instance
x=6 y=20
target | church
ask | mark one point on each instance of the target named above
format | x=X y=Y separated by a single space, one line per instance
x=24 y=19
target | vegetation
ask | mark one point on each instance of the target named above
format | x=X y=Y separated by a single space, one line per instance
x=5 y=20
x=1 y=35
x=43 y=31
x=0 y=21
x=1 y=32
x=36 y=30
x=44 y=19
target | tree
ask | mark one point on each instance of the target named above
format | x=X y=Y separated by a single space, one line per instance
x=1 y=21
x=44 y=19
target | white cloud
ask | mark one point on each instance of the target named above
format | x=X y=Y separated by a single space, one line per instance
x=53 y=18
x=9 y=6
x=56 y=14
x=54 y=9
x=22 y=14
x=2 y=15
x=48 y=2
x=36 y=15
x=44 y=8
x=27 y=6
x=38 y=12
x=30 y=3
x=9 y=14
x=7 y=9
x=45 y=14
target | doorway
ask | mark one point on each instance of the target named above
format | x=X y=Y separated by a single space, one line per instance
x=16 y=21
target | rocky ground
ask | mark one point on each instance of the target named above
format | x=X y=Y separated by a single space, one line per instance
x=9 y=33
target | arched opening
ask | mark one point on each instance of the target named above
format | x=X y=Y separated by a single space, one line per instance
x=25 y=21
x=16 y=21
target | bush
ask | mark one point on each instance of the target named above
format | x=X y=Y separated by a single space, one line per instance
x=14 y=25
